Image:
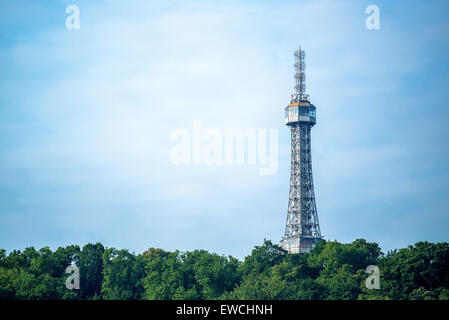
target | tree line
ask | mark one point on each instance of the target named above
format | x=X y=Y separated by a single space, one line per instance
x=332 y=270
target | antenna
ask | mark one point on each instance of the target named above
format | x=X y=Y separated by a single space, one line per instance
x=300 y=76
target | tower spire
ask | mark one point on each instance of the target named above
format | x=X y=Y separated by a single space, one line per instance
x=300 y=76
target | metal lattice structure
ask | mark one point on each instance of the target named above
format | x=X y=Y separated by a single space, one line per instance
x=302 y=229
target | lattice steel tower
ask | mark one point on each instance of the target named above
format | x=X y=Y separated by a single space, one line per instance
x=302 y=229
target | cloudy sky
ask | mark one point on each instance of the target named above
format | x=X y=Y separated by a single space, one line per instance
x=86 y=117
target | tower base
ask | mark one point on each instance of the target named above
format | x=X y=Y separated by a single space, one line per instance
x=298 y=244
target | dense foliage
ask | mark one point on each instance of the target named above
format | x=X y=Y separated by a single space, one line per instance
x=331 y=271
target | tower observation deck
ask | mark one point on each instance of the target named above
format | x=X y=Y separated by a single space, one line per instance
x=302 y=230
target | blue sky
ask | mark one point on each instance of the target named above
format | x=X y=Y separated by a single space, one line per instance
x=86 y=116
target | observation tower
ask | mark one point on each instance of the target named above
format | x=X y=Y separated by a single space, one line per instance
x=302 y=230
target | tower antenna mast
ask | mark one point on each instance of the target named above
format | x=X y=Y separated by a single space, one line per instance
x=300 y=76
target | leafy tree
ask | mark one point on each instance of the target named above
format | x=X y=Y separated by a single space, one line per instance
x=261 y=287
x=192 y=275
x=329 y=256
x=91 y=270
x=163 y=277
x=262 y=258
x=405 y=271
x=212 y=274
x=7 y=289
x=343 y=284
x=421 y=294
x=266 y=274
x=444 y=294
x=310 y=289
x=121 y=275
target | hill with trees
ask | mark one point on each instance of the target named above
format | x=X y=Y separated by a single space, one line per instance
x=332 y=270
